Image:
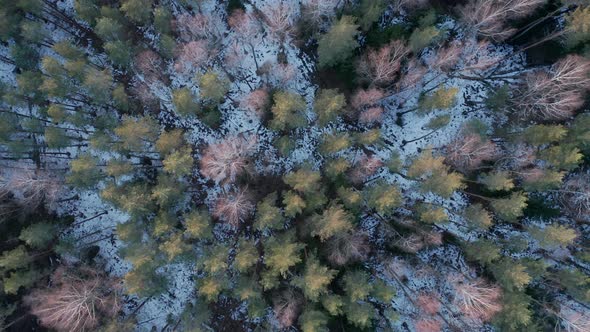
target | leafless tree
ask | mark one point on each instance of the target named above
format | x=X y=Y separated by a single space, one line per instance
x=371 y=115
x=320 y=11
x=30 y=188
x=223 y=162
x=191 y=55
x=233 y=207
x=477 y=299
x=428 y=303
x=287 y=307
x=574 y=196
x=257 y=101
x=428 y=325
x=478 y=57
x=409 y=5
x=150 y=65
x=363 y=98
x=280 y=18
x=200 y=26
x=77 y=300
x=490 y=17
x=447 y=58
x=411 y=75
x=411 y=243
x=572 y=320
x=345 y=248
x=554 y=94
x=364 y=168
x=467 y=152
x=382 y=66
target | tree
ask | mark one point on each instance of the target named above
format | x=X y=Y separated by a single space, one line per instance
x=338 y=43
x=563 y=156
x=257 y=101
x=303 y=180
x=168 y=192
x=360 y=314
x=422 y=37
x=511 y=275
x=247 y=256
x=119 y=52
x=382 y=197
x=315 y=279
x=169 y=141
x=38 y=235
x=334 y=220
x=510 y=208
x=544 y=134
x=431 y=214
x=233 y=207
x=282 y=252
x=328 y=105
x=382 y=66
x=333 y=304
x=332 y=143
x=84 y=171
x=162 y=19
x=468 y=152
x=482 y=251
x=554 y=235
x=516 y=314
x=344 y=248
x=198 y=225
x=174 y=246
x=109 y=29
x=180 y=162
x=294 y=204
x=287 y=306
x=363 y=98
x=225 y=161
x=496 y=180
x=575 y=196
x=477 y=299
x=184 y=102
x=476 y=215
x=280 y=19
x=210 y=287
x=288 y=111
x=215 y=259
x=268 y=215
x=370 y=11
x=136 y=132
x=489 y=18
x=356 y=285
x=313 y=321
x=442 y=98
x=213 y=87
x=139 y=11
x=77 y=299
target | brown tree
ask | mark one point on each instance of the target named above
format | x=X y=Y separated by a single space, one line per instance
x=467 y=152
x=363 y=98
x=345 y=248
x=257 y=101
x=233 y=207
x=382 y=66
x=575 y=196
x=78 y=300
x=223 y=162
x=191 y=55
x=150 y=65
x=287 y=307
x=477 y=299
x=30 y=188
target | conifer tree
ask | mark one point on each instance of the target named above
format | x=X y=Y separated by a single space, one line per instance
x=482 y=251
x=139 y=11
x=184 y=102
x=544 y=134
x=38 y=235
x=294 y=204
x=442 y=98
x=213 y=87
x=328 y=105
x=174 y=246
x=167 y=192
x=281 y=252
x=215 y=259
x=511 y=275
x=136 y=132
x=510 y=208
x=332 y=143
x=246 y=257
x=84 y=171
x=370 y=11
x=356 y=285
x=198 y=225
x=338 y=43
x=169 y=141
x=477 y=216
x=563 y=156
x=180 y=162
x=360 y=314
x=210 y=287
x=382 y=197
x=303 y=180
x=313 y=321
x=554 y=235
x=337 y=167
x=333 y=304
x=287 y=111
x=431 y=214
x=516 y=314
x=496 y=181
x=335 y=219
x=422 y=37
x=268 y=215
x=315 y=279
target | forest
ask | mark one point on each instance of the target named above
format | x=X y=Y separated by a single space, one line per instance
x=295 y=165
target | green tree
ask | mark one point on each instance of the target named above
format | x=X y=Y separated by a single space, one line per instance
x=198 y=225
x=139 y=11
x=20 y=278
x=333 y=304
x=496 y=180
x=356 y=285
x=554 y=235
x=179 y=162
x=422 y=37
x=313 y=321
x=482 y=251
x=328 y=105
x=119 y=52
x=336 y=167
x=576 y=283
x=334 y=220
x=174 y=246
x=38 y=235
x=210 y=287
x=370 y=11
x=542 y=180
x=383 y=197
x=84 y=171
x=338 y=43
x=477 y=216
x=516 y=314
x=246 y=257
x=563 y=156
x=214 y=259
x=332 y=143
x=288 y=111
x=87 y=10
x=442 y=98
x=510 y=274
x=134 y=133
x=168 y=191
x=544 y=134
x=162 y=19
x=510 y=208
x=281 y=252
x=315 y=279
x=109 y=29
x=294 y=204
x=184 y=102
x=360 y=314
x=169 y=141
x=577 y=27
x=268 y=215
x=431 y=214
x=15 y=258
x=303 y=180
x=56 y=138
x=213 y=87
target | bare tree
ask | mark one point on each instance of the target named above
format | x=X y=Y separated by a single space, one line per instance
x=344 y=248
x=572 y=320
x=428 y=303
x=382 y=66
x=364 y=168
x=477 y=299
x=77 y=300
x=200 y=26
x=30 y=188
x=233 y=207
x=428 y=325
x=363 y=98
x=280 y=18
x=554 y=94
x=319 y=11
x=190 y=55
x=490 y=17
x=228 y=159
x=575 y=196
x=412 y=75
x=150 y=65
x=287 y=306
x=447 y=58
x=371 y=115
x=467 y=152
x=257 y=101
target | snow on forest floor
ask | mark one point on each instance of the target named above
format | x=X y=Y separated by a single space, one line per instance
x=96 y=220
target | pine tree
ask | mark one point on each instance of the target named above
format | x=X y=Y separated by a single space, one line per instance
x=336 y=167
x=268 y=215
x=332 y=143
x=511 y=275
x=184 y=102
x=360 y=314
x=164 y=223
x=333 y=304
x=15 y=258
x=294 y=204
x=516 y=314
x=168 y=192
x=84 y=171
x=169 y=141
x=315 y=279
x=38 y=235
x=288 y=111
x=119 y=53
x=214 y=259
x=577 y=28
x=162 y=19
x=246 y=257
x=543 y=134
x=139 y=11
x=247 y=289
x=579 y=132
x=510 y=208
x=442 y=98
x=482 y=251
x=56 y=138
x=351 y=198
x=20 y=279
x=328 y=105
x=281 y=252
x=477 y=216
x=576 y=283
x=431 y=214
x=554 y=235
x=210 y=287
x=174 y=246
x=542 y=180
x=179 y=162
x=334 y=220
x=369 y=137
x=338 y=43
x=443 y=183
x=198 y=225
x=98 y=83
x=370 y=11
x=303 y=180
x=313 y=321
x=382 y=291
x=382 y=197
x=136 y=132
x=422 y=37
x=496 y=180
x=356 y=285
x=563 y=156
x=213 y=87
